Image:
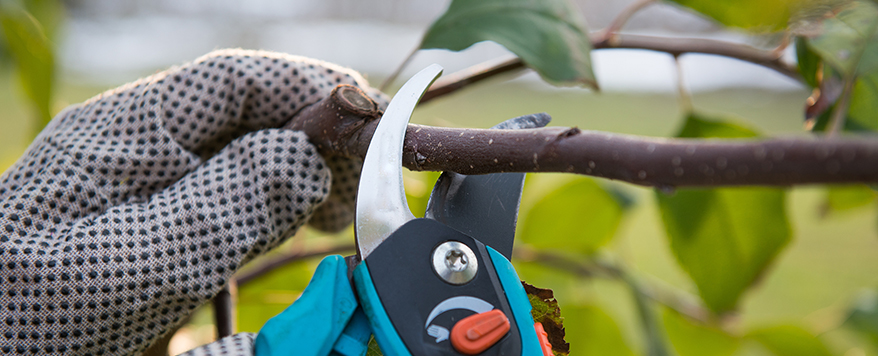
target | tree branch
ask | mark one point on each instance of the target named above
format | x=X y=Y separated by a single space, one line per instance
x=622 y=18
x=677 y=46
x=673 y=46
x=285 y=259
x=448 y=84
x=680 y=302
x=343 y=124
x=224 y=310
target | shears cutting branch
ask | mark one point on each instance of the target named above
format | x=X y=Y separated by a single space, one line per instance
x=438 y=285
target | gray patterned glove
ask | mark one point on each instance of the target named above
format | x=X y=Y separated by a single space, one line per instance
x=132 y=209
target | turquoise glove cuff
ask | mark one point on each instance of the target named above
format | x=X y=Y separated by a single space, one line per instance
x=313 y=323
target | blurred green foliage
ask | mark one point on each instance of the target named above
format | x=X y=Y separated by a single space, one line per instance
x=754 y=15
x=706 y=250
x=565 y=211
x=845 y=53
x=26 y=41
x=789 y=340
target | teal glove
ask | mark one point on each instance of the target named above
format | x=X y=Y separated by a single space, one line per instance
x=325 y=320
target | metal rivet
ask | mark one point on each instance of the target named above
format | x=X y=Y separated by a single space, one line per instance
x=455 y=262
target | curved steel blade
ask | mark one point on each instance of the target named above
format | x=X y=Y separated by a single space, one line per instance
x=381 y=203
x=483 y=206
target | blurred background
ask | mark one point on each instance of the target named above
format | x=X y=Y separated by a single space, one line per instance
x=101 y=44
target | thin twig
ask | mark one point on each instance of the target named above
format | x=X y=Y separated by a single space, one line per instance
x=275 y=262
x=836 y=123
x=596 y=268
x=224 y=310
x=622 y=18
x=685 y=98
x=677 y=46
x=460 y=79
x=387 y=82
x=673 y=46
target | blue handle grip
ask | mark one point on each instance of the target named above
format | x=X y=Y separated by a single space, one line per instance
x=385 y=334
x=518 y=301
x=390 y=341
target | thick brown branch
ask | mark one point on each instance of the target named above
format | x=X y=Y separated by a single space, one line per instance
x=639 y=160
x=644 y=160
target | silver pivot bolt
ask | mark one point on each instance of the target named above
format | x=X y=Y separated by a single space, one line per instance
x=455 y=262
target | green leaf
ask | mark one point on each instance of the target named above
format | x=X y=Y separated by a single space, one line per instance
x=846 y=197
x=788 y=340
x=691 y=339
x=863 y=110
x=33 y=56
x=373 y=349
x=724 y=238
x=548 y=35
x=48 y=13
x=270 y=294
x=418 y=186
x=578 y=217
x=755 y=15
x=699 y=126
x=808 y=62
x=849 y=40
x=863 y=316
x=597 y=332
x=545 y=310
x=656 y=344
x=848 y=43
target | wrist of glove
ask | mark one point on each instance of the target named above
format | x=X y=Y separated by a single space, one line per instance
x=132 y=209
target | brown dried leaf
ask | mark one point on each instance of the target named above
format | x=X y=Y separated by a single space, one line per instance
x=546 y=311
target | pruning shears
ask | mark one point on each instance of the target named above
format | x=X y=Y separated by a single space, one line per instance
x=438 y=285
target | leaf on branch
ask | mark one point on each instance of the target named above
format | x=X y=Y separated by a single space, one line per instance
x=373 y=349
x=724 y=238
x=694 y=339
x=33 y=56
x=863 y=316
x=809 y=63
x=847 y=42
x=269 y=295
x=546 y=311
x=788 y=340
x=754 y=15
x=599 y=333
x=548 y=35
x=841 y=198
x=697 y=126
x=579 y=217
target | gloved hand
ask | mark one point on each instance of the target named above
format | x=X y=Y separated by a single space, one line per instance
x=132 y=209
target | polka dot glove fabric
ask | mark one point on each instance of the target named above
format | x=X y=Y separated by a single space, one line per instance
x=237 y=345
x=132 y=209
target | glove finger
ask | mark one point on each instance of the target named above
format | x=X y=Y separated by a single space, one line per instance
x=112 y=283
x=337 y=212
x=139 y=138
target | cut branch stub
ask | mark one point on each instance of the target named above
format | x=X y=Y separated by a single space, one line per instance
x=343 y=124
x=337 y=119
